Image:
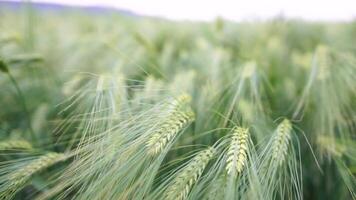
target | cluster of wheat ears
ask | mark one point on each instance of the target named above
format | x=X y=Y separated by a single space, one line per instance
x=156 y=110
x=236 y=153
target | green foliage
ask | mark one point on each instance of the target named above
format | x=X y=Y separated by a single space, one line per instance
x=114 y=107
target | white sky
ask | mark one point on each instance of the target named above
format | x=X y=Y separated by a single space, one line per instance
x=334 y=10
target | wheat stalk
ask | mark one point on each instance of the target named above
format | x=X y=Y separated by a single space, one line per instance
x=237 y=151
x=281 y=141
x=169 y=129
x=18 y=178
x=184 y=181
x=15 y=144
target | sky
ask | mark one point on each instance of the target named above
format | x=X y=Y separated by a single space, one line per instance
x=206 y=10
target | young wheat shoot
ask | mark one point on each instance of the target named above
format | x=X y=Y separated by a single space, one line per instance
x=189 y=175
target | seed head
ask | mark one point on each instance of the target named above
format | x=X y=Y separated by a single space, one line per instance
x=237 y=152
x=15 y=144
x=281 y=141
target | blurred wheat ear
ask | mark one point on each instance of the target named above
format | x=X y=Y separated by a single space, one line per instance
x=16 y=180
x=281 y=141
x=15 y=144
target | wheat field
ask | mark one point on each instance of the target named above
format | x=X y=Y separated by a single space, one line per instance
x=105 y=106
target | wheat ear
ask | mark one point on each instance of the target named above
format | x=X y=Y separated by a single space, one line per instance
x=19 y=178
x=237 y=151
x=15 y=144
x=330 y=146
x=179 y=102
x=281 y=141
x=184 y=181
x=323 y=56
x=169 y=129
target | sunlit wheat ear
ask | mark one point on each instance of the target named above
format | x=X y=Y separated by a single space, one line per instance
x=18 y=178
x=171 y=127
x=281 y=141
x=189 y=175
x=237 y=151
x=15 y=144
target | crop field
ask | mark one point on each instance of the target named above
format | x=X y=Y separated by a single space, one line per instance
x=110 y=106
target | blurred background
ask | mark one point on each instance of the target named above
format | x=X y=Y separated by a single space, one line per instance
x=331 y=10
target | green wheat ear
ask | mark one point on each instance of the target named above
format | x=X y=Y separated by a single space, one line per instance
x=19 y=178
x=281 y=141
x=172 y=126
x=330 y=146
x=189 y=175
x=237 y=151
x=324 y=62
x=168 y=131
x=15 y=144
x=181 y=101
